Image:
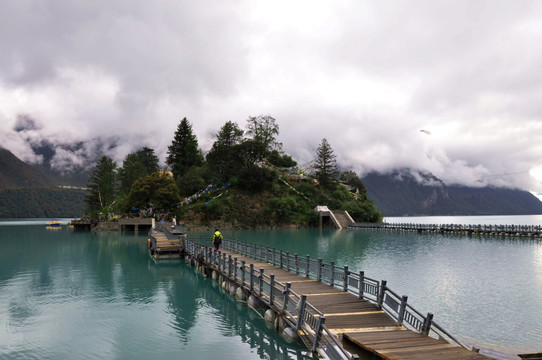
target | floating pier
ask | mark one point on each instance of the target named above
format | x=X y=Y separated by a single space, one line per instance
x=326 y=305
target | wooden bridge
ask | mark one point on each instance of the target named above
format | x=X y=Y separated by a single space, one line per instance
x=328 y=306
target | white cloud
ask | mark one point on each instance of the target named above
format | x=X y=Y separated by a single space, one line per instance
x=368 y=76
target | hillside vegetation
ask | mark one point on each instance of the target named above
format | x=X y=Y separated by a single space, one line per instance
x=401 y=194
x=244 y=181
x=26 y=193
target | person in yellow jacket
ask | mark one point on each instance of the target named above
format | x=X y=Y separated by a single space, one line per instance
x=217 y=239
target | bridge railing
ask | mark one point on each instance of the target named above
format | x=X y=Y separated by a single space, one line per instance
x=340 y=276
x=300 y=314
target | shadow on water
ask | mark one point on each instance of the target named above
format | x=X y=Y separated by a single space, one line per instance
x=231 y=318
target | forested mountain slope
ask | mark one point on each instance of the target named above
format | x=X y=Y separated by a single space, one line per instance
x=404 y=193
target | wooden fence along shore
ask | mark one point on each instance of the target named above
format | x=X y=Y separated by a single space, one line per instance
x=321 y=303
x=532 y=231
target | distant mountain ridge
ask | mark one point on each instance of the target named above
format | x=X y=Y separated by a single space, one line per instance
x=406 y=192
x=26 y=192
x=15 y=173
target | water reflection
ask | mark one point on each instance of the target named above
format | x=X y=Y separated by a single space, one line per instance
x=68 y=294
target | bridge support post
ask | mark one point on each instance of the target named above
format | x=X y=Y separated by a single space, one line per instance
x=361 y=284
x=286 y=296
x=287 y=261
x=251 y=281
x=402 y=309
x=381 y=293
x=427 y=324
x=345 y=282
x=318 y=332
x=302 y=304
x=319 y=271
x=260 y=287
x=271 y=288
x=229 y=265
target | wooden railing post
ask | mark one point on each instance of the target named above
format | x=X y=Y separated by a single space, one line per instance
x=235 y=267
x=361 y=284
x=271 y=287
x=302 y=305
x=286 y=296
x=427 y=324
x=229 y=265
x=332 y=277
x=280 y=259
x=260 y=287
x=273 y=263
x=319 y=271
x=402 y=309
x=380 y=299
x=318 y=332
x=296 y=264
x=251 y=277
x=243 y=273
x=345 y=283
x=287 y=261
x=308 y=266
x=266 y=254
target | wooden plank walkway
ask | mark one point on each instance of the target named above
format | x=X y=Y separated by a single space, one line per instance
x=361 y=322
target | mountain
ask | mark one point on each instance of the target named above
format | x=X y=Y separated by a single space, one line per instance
x=14 y=173
x=406 y=192
x=27 y=192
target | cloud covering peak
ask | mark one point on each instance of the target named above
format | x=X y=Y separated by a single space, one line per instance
x=368 y=76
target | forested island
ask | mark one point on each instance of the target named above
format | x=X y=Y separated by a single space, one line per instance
x=244 y=181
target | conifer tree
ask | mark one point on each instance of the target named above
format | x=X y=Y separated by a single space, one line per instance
x=101 y=186
x=183 y=153
x=325 y=164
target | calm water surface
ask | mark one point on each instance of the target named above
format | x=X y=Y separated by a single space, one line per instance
x=66 y=295
x=487 y=291
x=82 y=295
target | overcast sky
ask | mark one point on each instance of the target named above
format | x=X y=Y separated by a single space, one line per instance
x=450 y=87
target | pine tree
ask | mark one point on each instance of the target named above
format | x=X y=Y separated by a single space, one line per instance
x=325 y=164
x=149 y=159
x=183 y=153
x=101 y=186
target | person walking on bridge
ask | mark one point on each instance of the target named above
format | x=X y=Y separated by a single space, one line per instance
x=217 y=239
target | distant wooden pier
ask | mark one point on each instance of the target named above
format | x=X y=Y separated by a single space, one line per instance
x=531 y=231
x=122 y=224
x=323 y=303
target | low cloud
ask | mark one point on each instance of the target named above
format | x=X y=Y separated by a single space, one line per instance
x=110 y=77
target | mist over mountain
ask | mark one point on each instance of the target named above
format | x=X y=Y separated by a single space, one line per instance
x=26 y=191
x=406 y=192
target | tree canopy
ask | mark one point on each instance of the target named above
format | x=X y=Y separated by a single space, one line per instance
x=184 y=152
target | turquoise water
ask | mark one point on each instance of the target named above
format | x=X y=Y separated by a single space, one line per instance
x=83 y=295
x=486 y=291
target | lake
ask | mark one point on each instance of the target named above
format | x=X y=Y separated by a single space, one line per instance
x=77 y=295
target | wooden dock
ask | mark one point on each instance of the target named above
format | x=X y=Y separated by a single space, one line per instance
x=329 y=306
x=529 y=231
x=166 y=244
